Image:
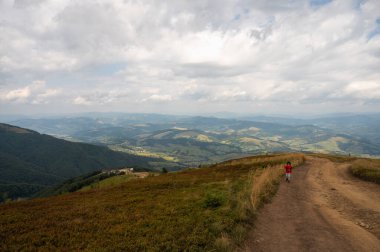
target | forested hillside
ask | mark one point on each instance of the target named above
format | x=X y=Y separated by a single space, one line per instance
x=30 y=161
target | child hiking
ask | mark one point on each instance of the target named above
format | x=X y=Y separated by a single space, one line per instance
x=288 y=171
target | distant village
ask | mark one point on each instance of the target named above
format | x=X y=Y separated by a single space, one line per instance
x=122 y=171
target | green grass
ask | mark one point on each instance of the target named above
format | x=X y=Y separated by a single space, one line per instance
x=109 y=182
x=204 y=209
x=75 y=184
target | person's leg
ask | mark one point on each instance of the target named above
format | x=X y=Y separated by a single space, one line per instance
x=288 y=177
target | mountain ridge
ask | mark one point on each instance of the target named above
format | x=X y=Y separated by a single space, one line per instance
x=36 y=160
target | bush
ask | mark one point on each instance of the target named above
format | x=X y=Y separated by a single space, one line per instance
x=214 y=200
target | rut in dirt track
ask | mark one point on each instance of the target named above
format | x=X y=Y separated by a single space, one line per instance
x=324 y=208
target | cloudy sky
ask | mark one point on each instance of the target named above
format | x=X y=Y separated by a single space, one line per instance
x=198 y=56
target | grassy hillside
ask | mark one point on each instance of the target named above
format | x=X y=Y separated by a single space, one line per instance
x=75 y=184
x=197 y=209
x=30 y=161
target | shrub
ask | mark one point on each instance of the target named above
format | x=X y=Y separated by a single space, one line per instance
x=214 y=200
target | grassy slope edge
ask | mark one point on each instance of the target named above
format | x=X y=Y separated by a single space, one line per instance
x=366 y=169
x=197 y=209
x=363 y=168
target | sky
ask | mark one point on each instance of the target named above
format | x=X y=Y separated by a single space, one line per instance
x=190 y=57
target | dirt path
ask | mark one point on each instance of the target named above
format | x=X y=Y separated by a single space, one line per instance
x=324 y=208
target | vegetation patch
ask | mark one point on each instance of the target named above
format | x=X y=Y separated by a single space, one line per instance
x=75 y=184
x=214 y=200
x=366 y=169
x=30 y=162
x=204 y=209
x=336 y=158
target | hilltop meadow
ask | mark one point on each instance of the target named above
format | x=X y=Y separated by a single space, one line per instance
x=209 y=208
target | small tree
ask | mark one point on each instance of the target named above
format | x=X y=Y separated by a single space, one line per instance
x=164 y=170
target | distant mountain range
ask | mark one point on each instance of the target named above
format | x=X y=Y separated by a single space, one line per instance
x=189 y=141
x=30 y=161
x=363 y=125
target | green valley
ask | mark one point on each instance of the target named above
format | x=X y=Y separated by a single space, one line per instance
x=186 y=141
x=31 y=162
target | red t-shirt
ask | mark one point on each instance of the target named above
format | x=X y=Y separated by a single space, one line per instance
x=288 y=168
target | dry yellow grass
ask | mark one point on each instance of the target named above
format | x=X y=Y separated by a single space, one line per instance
x=224 y=243
x=204 y=138
x=264 y=184
x=366 y=169
x=265 y=160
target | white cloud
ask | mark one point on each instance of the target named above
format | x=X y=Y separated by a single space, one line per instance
x=188 y=52
x=159 y=98
x=364 y=89
x=79 y=100
x=35 y=93
x=18 y=94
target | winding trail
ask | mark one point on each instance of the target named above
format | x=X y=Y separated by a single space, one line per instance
x=324 y=208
